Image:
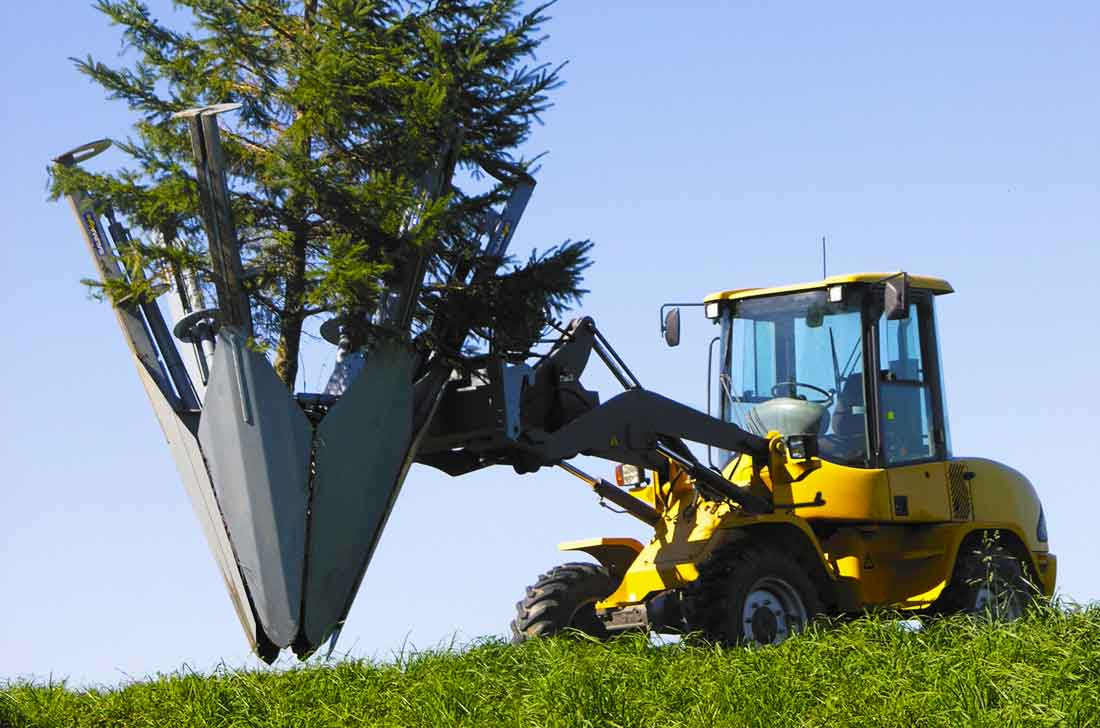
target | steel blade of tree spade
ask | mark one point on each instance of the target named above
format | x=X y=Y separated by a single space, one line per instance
x=169 y=354
x=129 y=316
x=225 y=253
x=255 y=437
x=257 y=443
x=196 y=481
x=358 y=457
x=365 y=444
x=364 y=448
x=435 y=184
x=501 y=237
x=179 y=424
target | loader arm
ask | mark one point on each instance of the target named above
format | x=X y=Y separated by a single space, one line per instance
x=534 y=417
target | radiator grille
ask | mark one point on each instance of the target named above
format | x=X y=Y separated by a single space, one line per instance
x=961 y=505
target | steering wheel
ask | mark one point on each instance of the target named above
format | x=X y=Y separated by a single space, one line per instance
x=791 y=388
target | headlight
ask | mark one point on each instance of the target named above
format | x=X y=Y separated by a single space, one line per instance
x=802 y=447
x=629 y=475
x=711 y=310
x=1041 y=529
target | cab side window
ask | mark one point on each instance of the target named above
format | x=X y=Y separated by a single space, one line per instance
x=905 y=395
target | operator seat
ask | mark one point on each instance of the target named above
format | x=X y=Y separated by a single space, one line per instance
x=846 y=444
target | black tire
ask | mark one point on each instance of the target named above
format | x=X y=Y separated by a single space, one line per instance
x=753 y=595
x=988 y=580
x=563 y=598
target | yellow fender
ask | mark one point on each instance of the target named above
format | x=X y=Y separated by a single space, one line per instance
x=615 y=554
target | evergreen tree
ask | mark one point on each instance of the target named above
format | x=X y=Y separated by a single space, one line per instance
x=359 y=118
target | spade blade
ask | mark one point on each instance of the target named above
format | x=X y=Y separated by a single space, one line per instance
x=361 y=447
x=257 y=441
x=196 y=481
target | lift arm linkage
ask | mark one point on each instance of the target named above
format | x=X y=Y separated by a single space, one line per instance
x=554 y=418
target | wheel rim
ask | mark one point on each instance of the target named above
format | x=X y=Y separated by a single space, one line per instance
x=982 y=598
x=1003 y=604
x=773 y=611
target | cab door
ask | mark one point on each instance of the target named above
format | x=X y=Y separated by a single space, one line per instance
x=911 y=430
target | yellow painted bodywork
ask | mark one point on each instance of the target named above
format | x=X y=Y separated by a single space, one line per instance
x=872 y=556
x=937 y=286
x=617 y=554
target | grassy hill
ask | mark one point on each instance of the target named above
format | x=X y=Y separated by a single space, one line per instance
x=1043 y=670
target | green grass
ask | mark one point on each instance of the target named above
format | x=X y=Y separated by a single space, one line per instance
x=1042 y=670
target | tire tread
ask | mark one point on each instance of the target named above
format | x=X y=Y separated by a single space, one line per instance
x=551 y=601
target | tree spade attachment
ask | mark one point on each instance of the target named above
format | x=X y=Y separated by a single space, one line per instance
x=292 y=490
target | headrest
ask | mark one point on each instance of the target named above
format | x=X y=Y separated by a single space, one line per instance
x=848 y=418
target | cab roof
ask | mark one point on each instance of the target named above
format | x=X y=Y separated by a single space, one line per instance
x=938 y=286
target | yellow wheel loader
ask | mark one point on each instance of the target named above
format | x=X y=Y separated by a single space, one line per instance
x=834 y=488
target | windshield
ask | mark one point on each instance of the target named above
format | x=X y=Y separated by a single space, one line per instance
x=801 y=347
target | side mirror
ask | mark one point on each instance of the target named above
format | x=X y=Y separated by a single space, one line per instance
x=671 y=327
x=897 y=297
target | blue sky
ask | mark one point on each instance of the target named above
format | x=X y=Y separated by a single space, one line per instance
x=702 y=149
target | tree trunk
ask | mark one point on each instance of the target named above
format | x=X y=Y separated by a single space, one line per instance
x=292 y=316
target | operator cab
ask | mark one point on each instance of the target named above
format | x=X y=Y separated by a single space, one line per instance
x=796 y=360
